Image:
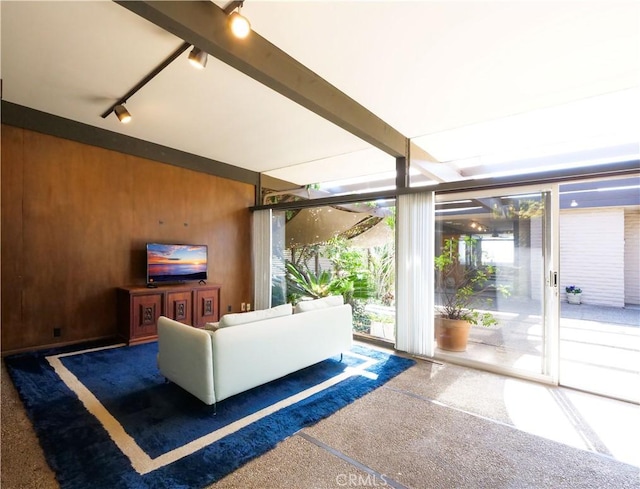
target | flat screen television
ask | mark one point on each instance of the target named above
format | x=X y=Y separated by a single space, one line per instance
x=176 y=262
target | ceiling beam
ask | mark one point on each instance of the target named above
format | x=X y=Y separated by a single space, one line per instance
x=204 y=24
x=430 y=166
x=576 y=158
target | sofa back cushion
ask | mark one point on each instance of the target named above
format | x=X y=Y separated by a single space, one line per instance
x=323 y=303
x=253 y=316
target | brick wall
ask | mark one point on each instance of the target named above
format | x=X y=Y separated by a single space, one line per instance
x=592 y=254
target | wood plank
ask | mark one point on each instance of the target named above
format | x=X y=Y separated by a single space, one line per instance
x=12 y=250
x=82 y=215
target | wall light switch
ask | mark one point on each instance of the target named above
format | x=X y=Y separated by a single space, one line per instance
x=243 y=307
x=248 y=306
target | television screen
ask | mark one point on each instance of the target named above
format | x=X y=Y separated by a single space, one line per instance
x=176 y=262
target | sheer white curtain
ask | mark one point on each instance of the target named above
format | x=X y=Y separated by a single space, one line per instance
x=261 y=255
x=414 y=273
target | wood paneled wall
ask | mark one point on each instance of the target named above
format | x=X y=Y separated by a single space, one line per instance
x=75 y=221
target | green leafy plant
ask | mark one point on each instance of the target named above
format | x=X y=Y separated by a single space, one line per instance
x=381 y=263
x=361 y=319
x=304 y=283
x=572 y=289
x=462 y=287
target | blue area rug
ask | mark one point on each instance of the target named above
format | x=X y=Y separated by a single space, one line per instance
x=107 y=419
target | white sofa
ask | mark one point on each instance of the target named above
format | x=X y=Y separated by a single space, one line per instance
x=234 y=357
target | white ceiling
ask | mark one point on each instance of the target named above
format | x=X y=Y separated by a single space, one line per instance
x=467 y=81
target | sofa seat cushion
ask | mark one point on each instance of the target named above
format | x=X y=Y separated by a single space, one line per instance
x=323 y=303
x=253 y=316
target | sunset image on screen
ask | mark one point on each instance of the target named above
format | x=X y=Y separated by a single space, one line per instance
x=176 y=262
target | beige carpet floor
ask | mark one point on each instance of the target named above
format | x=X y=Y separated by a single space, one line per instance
x=433 y=426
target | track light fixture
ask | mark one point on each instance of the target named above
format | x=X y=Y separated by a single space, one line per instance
x=240 y=27
x=118 y=107
x=239 y=24
x=122 y=113
x=198 y=58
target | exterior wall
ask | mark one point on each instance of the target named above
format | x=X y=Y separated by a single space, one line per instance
x=592 y=254
x=632 y=257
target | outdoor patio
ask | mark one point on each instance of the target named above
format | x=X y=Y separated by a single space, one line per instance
x=599 y=346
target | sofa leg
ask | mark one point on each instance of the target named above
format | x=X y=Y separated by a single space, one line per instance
x=215 y=409
x=341 y=357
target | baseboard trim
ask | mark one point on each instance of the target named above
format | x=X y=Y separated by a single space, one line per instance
x=62 y=344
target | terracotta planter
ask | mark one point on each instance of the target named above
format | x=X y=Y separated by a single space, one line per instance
x=452 y=334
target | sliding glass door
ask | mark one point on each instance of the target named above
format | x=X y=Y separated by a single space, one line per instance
x=561 y=285
x=516 y=253
x=499 y=251
x=600 y=287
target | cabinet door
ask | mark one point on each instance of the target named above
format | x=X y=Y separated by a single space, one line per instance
x=207 y=306
x=179 y=306
x=145 y=311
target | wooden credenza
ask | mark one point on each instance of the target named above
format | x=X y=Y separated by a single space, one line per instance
x=140 y=307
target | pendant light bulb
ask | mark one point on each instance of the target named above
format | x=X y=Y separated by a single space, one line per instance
x=239 y=25
x=122 y=113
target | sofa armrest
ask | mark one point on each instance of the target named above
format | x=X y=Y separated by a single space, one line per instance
x=185 y=357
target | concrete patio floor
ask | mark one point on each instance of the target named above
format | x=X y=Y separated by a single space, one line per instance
x=599 y=363
x=599 y=346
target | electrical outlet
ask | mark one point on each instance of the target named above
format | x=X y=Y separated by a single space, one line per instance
x=229 y=308
x=57 y=332
x=248 y=306
x=243 y=307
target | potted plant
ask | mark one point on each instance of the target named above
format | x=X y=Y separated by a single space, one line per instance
x=461 y=288
x=574 y=294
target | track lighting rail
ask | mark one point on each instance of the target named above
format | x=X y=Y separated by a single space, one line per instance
x=183 y=47
x=197 y=57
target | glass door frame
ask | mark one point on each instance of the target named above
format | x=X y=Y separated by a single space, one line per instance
x=550 y=300
x=552 y=284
